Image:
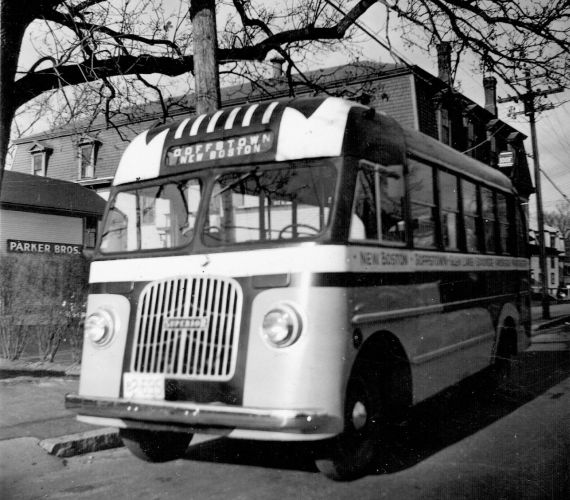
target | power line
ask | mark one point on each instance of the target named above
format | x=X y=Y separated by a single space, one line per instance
x=384 y=44
x=554 y=185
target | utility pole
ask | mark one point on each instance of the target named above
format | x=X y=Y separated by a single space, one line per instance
x=529 y=110
x=206 y=77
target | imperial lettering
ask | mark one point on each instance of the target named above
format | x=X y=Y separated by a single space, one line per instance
x=199 y=322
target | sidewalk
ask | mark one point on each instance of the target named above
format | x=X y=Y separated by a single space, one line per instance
x=551 y=334
x=559 y=314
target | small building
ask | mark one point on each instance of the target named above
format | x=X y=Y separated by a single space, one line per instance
x=555 y=252
x=47 y=216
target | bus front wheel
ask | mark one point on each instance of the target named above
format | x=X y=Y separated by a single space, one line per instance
x=352 y=454
x=153 y=446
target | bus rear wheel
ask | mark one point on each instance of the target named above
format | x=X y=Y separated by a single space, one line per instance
x=353 y=453
x=155 y=446
x=502 y=366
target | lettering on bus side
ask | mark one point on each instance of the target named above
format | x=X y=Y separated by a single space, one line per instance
x=220 y=149
x=370 y=258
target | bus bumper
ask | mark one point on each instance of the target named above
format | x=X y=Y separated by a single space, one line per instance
x=200 y=416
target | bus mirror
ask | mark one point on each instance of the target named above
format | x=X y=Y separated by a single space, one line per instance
x=384 y=171
x=88 y=253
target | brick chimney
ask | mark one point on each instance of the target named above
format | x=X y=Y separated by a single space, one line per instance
x=490 y=86
x=444 y=62
x=277 y=63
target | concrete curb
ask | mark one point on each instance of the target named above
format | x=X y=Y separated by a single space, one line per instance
x=39 y=368
x=84 y=442
x=550 y=323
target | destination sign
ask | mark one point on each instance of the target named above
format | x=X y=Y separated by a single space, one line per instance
x=234 y=147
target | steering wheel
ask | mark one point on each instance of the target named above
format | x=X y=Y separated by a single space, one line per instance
x=289 y=226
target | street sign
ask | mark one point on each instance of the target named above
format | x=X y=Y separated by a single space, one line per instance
x=506 y=159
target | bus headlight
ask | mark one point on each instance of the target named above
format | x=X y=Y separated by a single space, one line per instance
x=282 y=325
x=100 y=327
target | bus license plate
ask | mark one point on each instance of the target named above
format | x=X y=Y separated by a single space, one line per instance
x=143 y=386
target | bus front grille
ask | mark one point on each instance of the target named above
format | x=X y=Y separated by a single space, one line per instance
x=188 y=328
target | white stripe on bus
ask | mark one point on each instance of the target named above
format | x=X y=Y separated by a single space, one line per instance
x=268 y=112
x=196 y=124
x=180 y=129
x=230 y=120
x=248 y=114
x=305 y=258
x=213 y=121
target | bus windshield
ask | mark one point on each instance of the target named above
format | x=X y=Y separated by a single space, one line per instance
x=278 y=201
x=283 y=201
x=153 y=217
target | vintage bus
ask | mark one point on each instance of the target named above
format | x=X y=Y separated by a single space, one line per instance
x=297 y=270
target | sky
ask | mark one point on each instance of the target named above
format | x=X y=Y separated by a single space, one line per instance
x=553 y=126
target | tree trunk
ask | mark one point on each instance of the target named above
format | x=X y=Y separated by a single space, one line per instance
x=13 y=24
x=207 y=82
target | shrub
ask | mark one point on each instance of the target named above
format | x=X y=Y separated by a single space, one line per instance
x=41 y=296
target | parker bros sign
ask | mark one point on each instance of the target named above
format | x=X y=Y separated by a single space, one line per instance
x=220 y=149
x=22 y=246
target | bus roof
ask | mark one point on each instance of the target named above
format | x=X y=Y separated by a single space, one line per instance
x=434 y=151
x=284 y=130
x=269 y=131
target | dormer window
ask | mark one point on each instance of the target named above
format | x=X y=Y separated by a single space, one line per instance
x=87 y=154
x=39 y=155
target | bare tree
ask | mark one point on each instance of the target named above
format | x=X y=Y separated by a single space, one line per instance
x=96 y=55
x=560 y=219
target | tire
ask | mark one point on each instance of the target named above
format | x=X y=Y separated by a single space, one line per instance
x=502 y=366
x=353 y=453
x=155 y=446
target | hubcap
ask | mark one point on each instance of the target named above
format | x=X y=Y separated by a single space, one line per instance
x=359 y=415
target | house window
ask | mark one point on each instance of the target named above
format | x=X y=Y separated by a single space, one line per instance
x=39 y=155
x=86 y=156
x=39 y=163
x=90 y=232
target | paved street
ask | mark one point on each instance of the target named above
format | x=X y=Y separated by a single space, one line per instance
x=465 y=443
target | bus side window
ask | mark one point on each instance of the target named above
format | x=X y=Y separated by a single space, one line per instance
x=470 y=216
x=422 y=202
x=378 y=208
x=522 y=232
x=503 y=220
x=449 y=206
x=489 y=219
x=391 y=191
x=364 y=220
